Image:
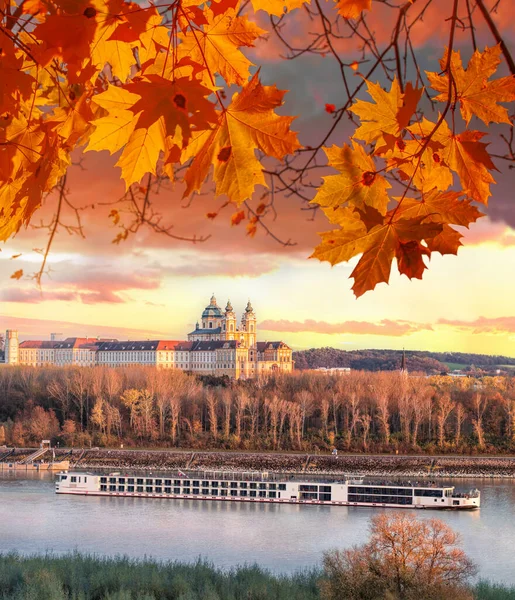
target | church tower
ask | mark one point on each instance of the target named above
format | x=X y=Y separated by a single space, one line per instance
x=11 y=347
x=248 y=325
x=229 y=322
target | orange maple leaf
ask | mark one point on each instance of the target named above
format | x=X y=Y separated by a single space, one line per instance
x=476 y=94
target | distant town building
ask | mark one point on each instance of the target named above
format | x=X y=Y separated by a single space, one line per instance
x=333 y=370
x=219 y=347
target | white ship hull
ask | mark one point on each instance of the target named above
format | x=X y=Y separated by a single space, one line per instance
x=268 y=489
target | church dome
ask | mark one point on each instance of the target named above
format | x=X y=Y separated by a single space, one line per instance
x=249 y=308
x=228 y=308
x=212 y=309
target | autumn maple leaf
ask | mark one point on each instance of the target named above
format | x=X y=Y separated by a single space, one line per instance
x=351 y=9
x=476 y=94
x=216 y=47
x=390 y=112
x=248 y=124
x=357 y=184
x=378 y=246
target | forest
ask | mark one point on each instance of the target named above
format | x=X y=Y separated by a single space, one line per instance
x=305 y=411
x=388 y=360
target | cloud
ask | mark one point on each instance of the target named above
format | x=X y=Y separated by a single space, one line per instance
x=496 y=325
x=34 y=296
x=89 y=284
x=220 y=264
x=385 y=327
x=41 y=328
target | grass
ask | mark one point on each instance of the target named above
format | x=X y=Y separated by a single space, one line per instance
x=87 y=577
x=455 y=366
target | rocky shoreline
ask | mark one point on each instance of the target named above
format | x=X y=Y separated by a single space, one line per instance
x=344 y=464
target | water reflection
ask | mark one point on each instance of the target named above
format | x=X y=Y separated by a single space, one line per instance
x=280 y=537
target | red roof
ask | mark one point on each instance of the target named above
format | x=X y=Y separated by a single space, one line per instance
x=168 y=344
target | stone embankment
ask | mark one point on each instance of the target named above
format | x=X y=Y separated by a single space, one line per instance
x=344 y=464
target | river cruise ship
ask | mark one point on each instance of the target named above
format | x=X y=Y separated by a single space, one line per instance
x=268 y=487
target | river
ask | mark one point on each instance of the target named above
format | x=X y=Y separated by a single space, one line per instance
x=283 y=538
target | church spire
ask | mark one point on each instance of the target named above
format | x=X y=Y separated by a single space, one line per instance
x=404 y=368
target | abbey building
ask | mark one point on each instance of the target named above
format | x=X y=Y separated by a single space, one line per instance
x=217 y=346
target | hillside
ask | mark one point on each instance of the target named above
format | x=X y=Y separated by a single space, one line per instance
x=387 y=360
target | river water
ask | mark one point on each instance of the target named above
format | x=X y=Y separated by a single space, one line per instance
x=282 y=538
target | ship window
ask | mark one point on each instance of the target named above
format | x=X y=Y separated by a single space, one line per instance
x=130 y=481
x=205 y=492
x=196 y=483
x=455 y=502
x=224 y=484
x=262 y=486
x=103 y=488
x=168 y=482
x=102 y=479
x=234 y=484
x=205 y=484
x=253 y=486
x=63 y=477
x=140 y=488
x=121 y=480
x=243 y=486
x=272 y=494
x=74 y=479
x=85 y=479
x=112 y=488
x=130 y=488
x=235 y=493
x=308 y=495
x=121 y=488
x=282 y=486
x=112 y=479
x=168 y=490
x=325 y=489
x=148 y=489
x=214 y=492
x=159 y=482
x=324 y=497
x=253 y=493
x=308 y=488
x=159 y=490
x=243 y=493
x=186 y=482
x=214 y=484
x=262 y=493
x=176 y=490
x=195 y=491
x=149 y=481
x=429 y=493
x=272 y=486
x=140 y=482
x=186 y=490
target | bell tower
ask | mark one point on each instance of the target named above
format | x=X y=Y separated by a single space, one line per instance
x=248 y=325
x=229 y=323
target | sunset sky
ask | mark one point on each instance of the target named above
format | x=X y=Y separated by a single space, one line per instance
x=151 y=286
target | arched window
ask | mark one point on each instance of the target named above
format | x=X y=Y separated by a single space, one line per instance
x=210 y=324
x=251 y=327
x=232 y=327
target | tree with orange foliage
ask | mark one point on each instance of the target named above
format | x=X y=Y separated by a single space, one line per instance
x=406 y=558
x=169 y=89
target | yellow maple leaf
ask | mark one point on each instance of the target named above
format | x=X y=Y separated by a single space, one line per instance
x=465 y=154
x=476 y=94
x=216 y=47
x=388 y=114
x=357 y=184
x=351 y=9
x=248 y=124
x=277 y=7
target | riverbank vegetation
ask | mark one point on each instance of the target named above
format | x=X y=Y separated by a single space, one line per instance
x=404 y=559
x=307 y=411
